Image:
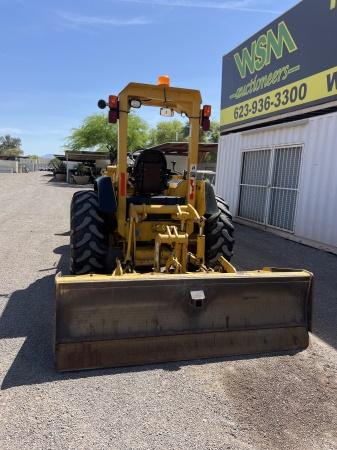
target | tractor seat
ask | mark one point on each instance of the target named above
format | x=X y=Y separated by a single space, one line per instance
x=150 y=173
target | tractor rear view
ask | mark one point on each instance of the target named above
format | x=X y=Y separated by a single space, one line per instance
x=151 y=279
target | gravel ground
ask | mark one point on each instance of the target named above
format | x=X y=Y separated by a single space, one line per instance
x=262 y=403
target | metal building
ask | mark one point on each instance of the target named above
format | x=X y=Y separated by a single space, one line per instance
x=284 y=178
x=277 y=156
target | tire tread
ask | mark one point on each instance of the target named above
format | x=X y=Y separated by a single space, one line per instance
x=219 y=233
x=88 y=237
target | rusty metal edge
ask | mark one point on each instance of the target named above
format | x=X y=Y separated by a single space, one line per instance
x=154 y=350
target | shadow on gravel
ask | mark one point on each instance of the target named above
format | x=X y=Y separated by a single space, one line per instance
x=29 y=312
x=66 y=233
x=64 y=184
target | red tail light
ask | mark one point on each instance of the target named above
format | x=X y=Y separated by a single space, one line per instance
x=114 y=109
x=205 y=115
x=207 y=111
x=113 y=116
x=205 y=124
x=113 y=101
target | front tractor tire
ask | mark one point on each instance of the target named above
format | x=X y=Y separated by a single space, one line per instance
x=219 y=234
x=88 y=237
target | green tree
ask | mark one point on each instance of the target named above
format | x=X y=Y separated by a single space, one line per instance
x=10 y=146
x=214 y=133
x=96 y=133
x=138 y=133
x=57 y=166
x=171 y=131
x=211 y=136
x=204 y=136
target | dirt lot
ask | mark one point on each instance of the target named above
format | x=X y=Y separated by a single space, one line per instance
x=262 y=403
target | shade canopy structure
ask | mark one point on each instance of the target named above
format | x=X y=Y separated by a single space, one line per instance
x=83 y=156
x=168 y=148
x=181 y=148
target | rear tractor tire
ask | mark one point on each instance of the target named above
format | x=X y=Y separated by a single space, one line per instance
x=219 y=234
x=88 y=237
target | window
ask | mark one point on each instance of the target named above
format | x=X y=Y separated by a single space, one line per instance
x=269 y=186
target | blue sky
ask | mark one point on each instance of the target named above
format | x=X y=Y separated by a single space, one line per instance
x=58 y=57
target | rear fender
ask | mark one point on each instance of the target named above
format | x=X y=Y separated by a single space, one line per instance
x=211 y=204
x=106 y=195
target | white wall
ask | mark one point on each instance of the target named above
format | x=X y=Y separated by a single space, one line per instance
x=102 y=163
x=181 y=162
x=316 y=215
x=33 y=164
x=11 y=165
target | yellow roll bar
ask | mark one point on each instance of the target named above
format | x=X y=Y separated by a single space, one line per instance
x=182 y=101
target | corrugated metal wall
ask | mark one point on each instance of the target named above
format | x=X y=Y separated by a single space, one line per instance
x=316 y=213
